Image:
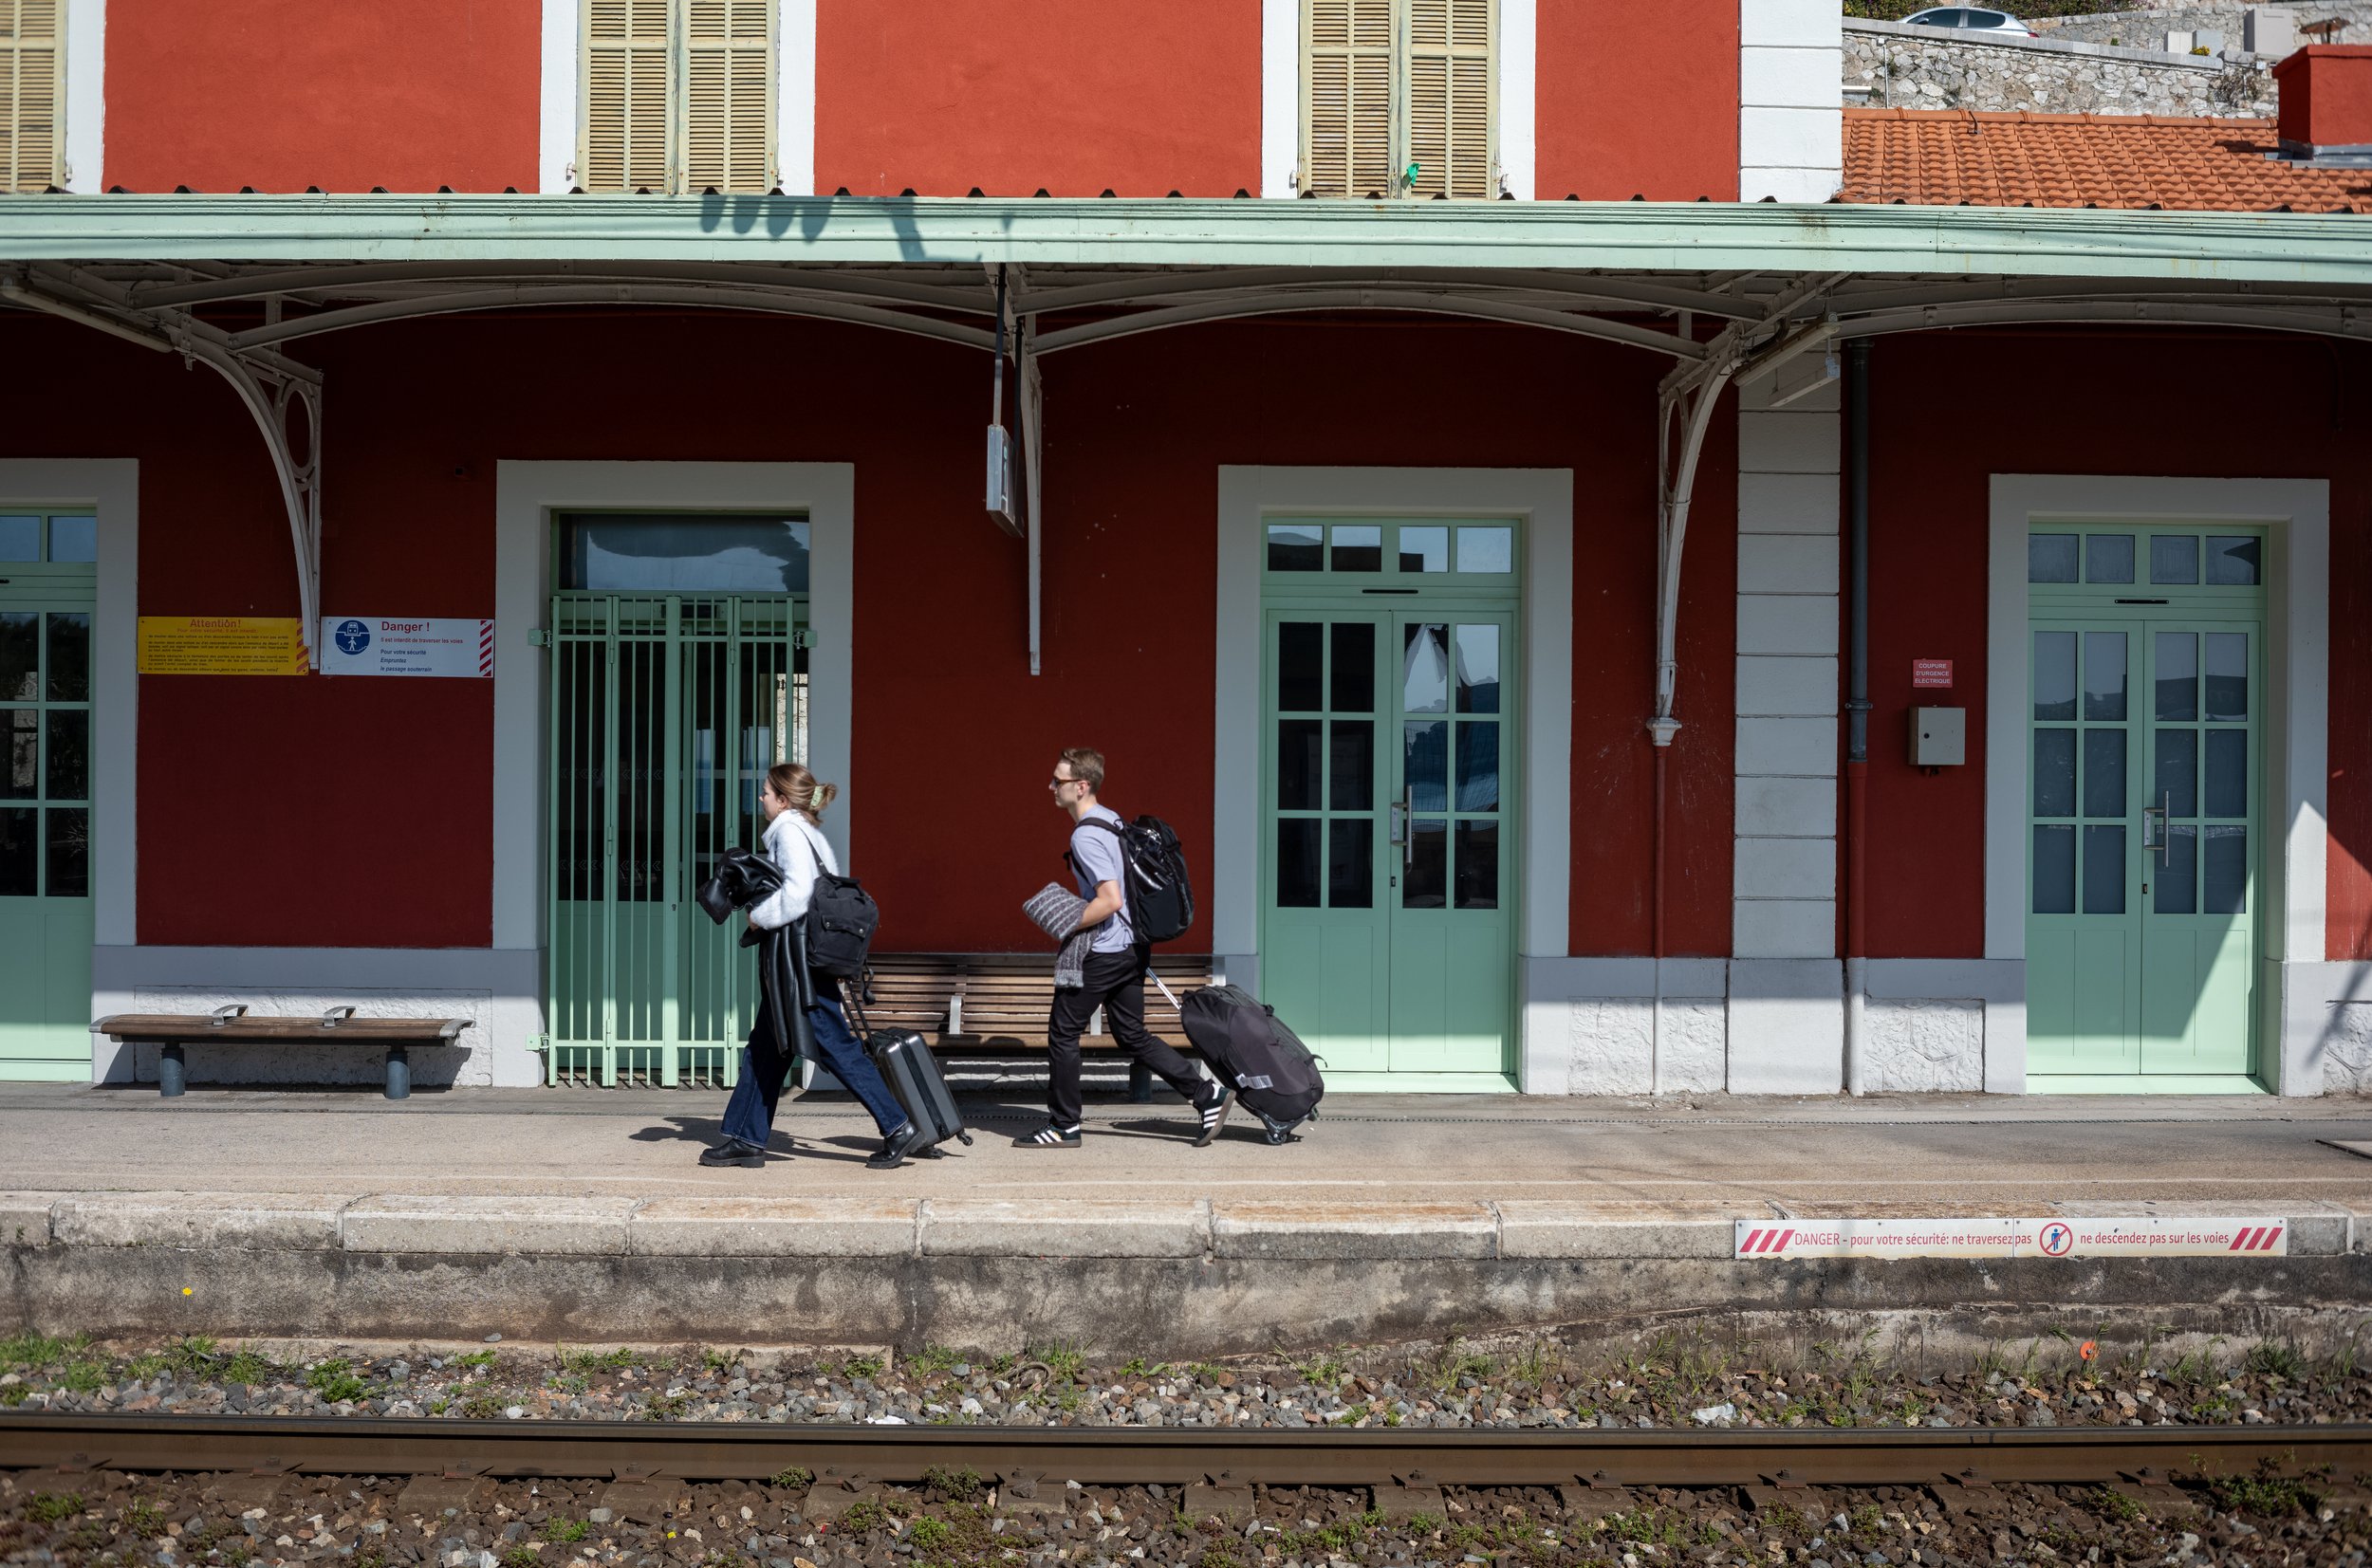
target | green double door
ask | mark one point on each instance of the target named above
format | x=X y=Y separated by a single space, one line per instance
x=47 y=579
x=2145 y=753
x=1389 y=862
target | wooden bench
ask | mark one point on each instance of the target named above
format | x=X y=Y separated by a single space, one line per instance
x=975 y=1005
x=231 y=1025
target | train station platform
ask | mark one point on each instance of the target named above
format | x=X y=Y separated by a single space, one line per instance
x=582 y=1215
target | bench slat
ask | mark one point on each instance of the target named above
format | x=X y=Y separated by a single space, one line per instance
x=1005 y=997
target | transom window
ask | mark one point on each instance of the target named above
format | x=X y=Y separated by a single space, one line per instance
x=2153 y=563
x=1399 y=98
x=687 y=553
x=679 y=95
x=1436 y=552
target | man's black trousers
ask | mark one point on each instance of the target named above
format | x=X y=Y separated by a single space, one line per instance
x=1116 y=983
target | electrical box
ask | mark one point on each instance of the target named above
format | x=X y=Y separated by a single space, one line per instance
x=1938 y=737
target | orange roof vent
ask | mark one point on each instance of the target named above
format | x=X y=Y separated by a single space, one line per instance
x=2326 y=101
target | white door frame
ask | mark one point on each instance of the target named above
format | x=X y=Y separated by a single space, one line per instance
x=1543 y=498
x=2296 y=516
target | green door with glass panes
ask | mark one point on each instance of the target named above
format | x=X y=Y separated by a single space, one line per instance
x=2145 y=750
x=679 y=676
x=1388 y=862
x=48 y=578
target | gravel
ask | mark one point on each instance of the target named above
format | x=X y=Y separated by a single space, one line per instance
x=1673 y=1380
x=249 y=1521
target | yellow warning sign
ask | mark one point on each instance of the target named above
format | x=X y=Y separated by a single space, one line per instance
x=221 y=645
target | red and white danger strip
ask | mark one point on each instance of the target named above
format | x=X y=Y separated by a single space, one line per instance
x=2053 y=1236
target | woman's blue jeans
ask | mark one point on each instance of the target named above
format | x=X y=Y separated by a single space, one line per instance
x=749 y=1115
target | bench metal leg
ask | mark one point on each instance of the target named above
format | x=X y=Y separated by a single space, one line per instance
x=398 y=1074
x=1140 y=1083
x=171 y=1077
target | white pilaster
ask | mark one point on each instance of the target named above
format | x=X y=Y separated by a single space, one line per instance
x=1791 y=100
x=86 y=96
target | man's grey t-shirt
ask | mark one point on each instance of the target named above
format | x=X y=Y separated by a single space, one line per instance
x=1098 y=857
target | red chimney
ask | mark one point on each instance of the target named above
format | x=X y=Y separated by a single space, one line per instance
x=2327 y=101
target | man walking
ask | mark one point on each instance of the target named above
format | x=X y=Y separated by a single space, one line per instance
x=1116 y=969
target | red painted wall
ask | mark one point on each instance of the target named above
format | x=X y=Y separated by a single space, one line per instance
x=2268 y=408
x=1638 y=100
x=1076 y=97
x=286 y=94
x=250 y=785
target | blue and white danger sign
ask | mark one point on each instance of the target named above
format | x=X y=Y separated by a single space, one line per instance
x=406 y=645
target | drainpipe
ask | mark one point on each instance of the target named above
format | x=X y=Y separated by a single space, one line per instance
x=1857 y=710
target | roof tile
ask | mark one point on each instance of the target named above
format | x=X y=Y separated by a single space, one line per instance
x=1943 y=158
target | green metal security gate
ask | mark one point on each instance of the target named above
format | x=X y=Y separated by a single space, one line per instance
x=666 y=713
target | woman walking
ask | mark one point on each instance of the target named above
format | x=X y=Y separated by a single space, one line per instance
x=791 y=802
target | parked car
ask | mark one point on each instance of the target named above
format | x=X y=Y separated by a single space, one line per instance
x=1971 y=19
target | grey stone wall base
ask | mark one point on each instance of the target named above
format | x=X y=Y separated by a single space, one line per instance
x=1158 y=1308
x=1888 y=65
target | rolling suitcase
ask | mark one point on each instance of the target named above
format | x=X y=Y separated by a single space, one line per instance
x=913 y=1075
x=1273 y=1074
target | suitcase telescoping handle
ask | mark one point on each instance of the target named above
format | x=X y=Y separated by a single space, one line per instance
x=1174 y=1005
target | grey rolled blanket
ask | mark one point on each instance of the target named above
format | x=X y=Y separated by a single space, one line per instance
x=1056 y=910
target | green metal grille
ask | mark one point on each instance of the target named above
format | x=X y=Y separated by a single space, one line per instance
x=666 y=713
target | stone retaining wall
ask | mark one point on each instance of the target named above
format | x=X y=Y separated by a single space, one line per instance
x=1905 y=68
x=2147 y=29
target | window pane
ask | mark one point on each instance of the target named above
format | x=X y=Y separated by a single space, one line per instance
x=70 y=852
x=2104 y=675
x=1297 y=764
x=1478 y=768
x=1357 y=547
x=2228 y=677
x=2233 y=561
x=20 y=752
x=1300 y=667
x=2054 y=675
x=2054 y=772
x=1297 y=845
x=2227 y=773
x=2178 y=677
x=20 y=538
x=2054 y=869
x=1478 y=865
x=1353 y=686
x=2174 y=886
x=2103 y=773
x=20 y=656
x=77 y=539
x=1426 y=761
x=1425 y=549
x=1478 y=669
x=2226 y=852
x=20 y=857
x=2104 y=869
x=1351 y=863
x=68 y=769
x=1353 y=783
x=1424 y=880
x=2176 y=785
x=1425 y=669
x=1486 y=550
x=2050 y=558
x=2108 y=558
x=70 y=659
x=1295 y=548
x=2174 y=559
x=693 y=552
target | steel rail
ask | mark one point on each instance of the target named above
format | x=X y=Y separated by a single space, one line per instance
x=1137 y=1455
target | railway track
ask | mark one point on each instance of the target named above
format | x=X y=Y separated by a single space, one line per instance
x=1588 y=1459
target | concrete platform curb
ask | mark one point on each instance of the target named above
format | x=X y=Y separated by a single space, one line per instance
x=1535 y=1229
x=567 y=1227
x=251 y=1222
x=988 y=1228
x=1326 y=1230
x=759 y=1228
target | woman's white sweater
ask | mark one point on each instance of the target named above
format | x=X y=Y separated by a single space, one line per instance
x=798 y=848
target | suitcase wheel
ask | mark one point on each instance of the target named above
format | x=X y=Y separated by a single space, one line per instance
x=966 y=1137
x=1281 y=1134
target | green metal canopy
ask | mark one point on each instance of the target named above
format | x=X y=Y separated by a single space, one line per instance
x=1629 y=236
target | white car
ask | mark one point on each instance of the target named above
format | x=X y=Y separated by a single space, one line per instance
x=1971 y=19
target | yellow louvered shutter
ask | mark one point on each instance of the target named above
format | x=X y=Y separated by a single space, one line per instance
x=729 y=95
x=1346 y=97
x=30 y=95
x=1450 y=96
x=628 y=47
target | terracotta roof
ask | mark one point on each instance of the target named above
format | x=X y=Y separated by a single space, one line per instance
x=1945 y=157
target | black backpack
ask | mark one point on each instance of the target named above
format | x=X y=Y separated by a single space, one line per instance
x=842 y=917
x=1160 y=897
